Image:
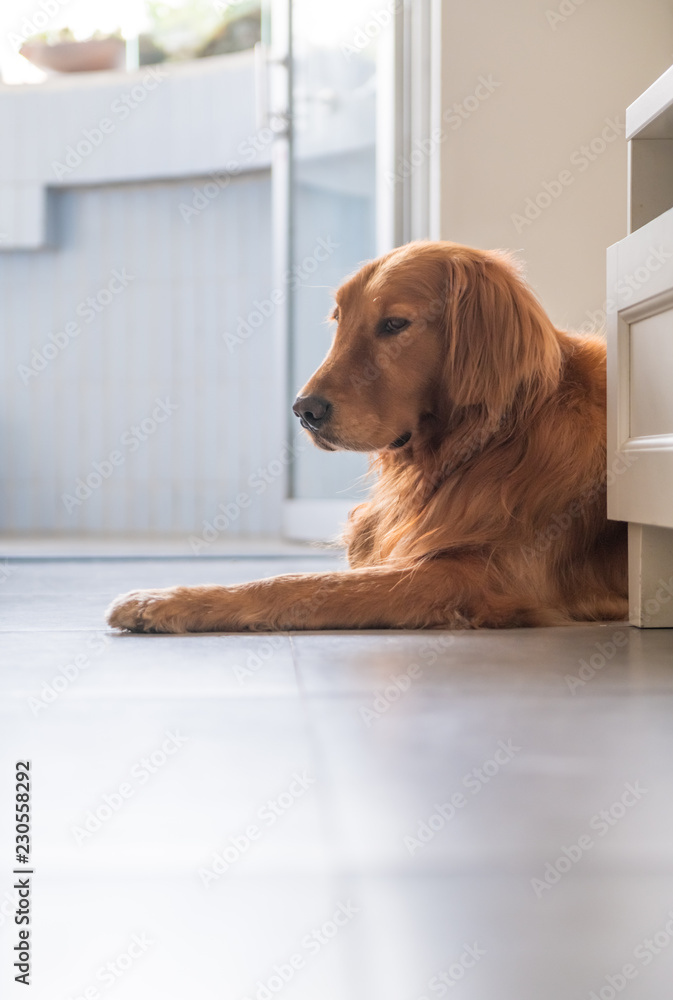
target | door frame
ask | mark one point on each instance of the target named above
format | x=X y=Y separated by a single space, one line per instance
x=407 y=183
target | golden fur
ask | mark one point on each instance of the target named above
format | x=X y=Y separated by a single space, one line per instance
x=493 y=513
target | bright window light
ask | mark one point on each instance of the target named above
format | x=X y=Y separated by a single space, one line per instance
x=21 y=19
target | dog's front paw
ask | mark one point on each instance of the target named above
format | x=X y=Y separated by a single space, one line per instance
x=165 y=610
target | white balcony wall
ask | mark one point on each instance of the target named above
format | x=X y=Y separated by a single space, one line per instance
x=112 y=301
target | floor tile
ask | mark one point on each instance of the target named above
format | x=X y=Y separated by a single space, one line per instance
x=41 y=669
x=498 y=780
x=492 y=937
x=577 y=660
x=204 y=805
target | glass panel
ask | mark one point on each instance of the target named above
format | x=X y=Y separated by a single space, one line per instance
x=333 y=197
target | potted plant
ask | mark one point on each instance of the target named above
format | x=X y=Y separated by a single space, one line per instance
x=62 y=53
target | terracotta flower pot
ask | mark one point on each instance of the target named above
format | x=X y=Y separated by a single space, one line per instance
x=77 y=57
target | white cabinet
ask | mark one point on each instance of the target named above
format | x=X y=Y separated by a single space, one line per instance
x=640 y=360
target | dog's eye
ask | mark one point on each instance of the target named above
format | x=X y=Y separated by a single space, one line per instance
x=335 y=314
x=392 y=325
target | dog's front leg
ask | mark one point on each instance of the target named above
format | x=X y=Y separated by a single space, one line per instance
x=361 y=598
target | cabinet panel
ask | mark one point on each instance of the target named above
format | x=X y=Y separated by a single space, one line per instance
x=640 y=375
x=651 y=375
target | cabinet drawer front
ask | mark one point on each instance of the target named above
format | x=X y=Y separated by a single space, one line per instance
x=651 y=375
x=640 y=375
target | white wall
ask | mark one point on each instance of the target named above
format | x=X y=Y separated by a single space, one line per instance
x=122 y=294
x=168 y=120
x=76 y=377
x=557 y=86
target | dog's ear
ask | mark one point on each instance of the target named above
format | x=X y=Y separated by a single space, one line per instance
x=501 y=346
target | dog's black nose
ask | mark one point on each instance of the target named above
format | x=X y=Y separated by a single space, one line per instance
x=312 y=411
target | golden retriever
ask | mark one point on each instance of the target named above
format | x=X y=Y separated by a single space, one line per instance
x=489 y=432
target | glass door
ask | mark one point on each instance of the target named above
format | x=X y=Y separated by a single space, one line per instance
x=334 y=107
x=354 y=83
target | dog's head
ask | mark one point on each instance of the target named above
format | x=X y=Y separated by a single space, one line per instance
x=424 y=332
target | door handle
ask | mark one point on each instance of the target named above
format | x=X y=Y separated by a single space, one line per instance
x=265 y=117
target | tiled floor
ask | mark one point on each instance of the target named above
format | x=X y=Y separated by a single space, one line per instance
x=357 y=816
